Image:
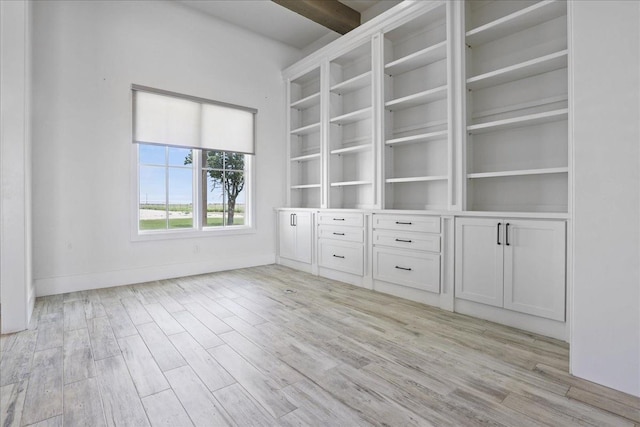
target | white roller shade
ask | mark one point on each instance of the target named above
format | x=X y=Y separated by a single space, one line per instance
x=178 y=120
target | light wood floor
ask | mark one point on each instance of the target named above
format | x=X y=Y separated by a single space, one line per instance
x=238 y=348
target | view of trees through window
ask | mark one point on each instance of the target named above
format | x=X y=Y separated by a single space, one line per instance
x=166 y=199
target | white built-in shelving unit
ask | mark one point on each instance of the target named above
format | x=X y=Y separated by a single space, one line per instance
x=305 y=142
x=517 y=106
x=417 y=96
x=351 y=165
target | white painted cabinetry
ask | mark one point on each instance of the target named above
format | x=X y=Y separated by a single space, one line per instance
x=406 y=251
x=341 y=242
x=512 y=263
x=295 y=235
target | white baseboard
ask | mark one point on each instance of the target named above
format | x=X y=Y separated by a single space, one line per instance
x=106 y=279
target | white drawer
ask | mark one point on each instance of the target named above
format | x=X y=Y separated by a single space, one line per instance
x=407 y=268
x=340 y=218
x=406 y=240
x=425 y=224
x=346 y=234
x=342 y=256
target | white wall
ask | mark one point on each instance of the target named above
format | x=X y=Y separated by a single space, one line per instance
x=86 y=56
x=605 y=340
x=16 y=282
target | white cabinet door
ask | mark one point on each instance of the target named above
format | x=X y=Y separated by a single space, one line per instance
x=302 y=221
x=295 y=231
x=478 y=265
x=534 y=268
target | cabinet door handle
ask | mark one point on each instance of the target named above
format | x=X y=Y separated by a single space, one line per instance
x=506 y=234
x=338 y=234
x=338 y=219
x=291 y=220
x=403 y=240
x=295 y=220
x=403 y=268
x=403 y=223
x=338 y=256
x=498 y=237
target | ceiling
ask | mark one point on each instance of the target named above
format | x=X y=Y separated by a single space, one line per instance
x=278 y=23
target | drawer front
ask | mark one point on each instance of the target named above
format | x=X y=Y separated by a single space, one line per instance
x=405 y=240
x=345 y=234
x=341 y=256
x=425 y=224
x=339 y=218
x=412 y=269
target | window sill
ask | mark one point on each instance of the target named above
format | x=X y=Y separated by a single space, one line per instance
x=145 y=236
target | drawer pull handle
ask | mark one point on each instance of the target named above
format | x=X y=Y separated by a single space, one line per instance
x=403 y=268
x=338 y=234
x=403 y=223
x=338 y=256
x=506 y=234
x=338 y=219
x=404 y=240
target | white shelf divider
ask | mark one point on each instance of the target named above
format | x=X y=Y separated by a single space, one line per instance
x=517 y=21
x=417 y=59
x=413 y=139
x=519 y=172
x=352 y=149
x=305 y=158
x=349 y=183
x=358 y=82
x=515 y=122
x=417 y=179
x=416 y=99
x=354 y=116
x=306 y=102
x=543 y=64
x=306 y=130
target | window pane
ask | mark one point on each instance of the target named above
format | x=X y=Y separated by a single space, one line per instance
x=152 y=210
x=151 y=154
x=179 y=156
x=215 y=160
x=234 y=198
x=234 y=161
x=180 y=198
x=211 y=180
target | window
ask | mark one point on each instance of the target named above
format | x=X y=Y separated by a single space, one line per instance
x=194 y=162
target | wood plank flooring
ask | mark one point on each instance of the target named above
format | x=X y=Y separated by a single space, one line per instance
x=271 y=346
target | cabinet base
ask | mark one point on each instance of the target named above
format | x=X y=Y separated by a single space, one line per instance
x=538 y=325
x=296 y=265
x=424 y=297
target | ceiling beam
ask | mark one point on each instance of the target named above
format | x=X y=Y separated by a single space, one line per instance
x=329 y=13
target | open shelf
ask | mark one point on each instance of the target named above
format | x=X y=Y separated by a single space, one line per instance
x=528 y=120
x=350 y=183
x=305 y=158
x=424 y=137
x=515 y=22
x=520 y=172
x=352 y=149
x=416 y=99
x=306 y=130
x=523 y=70
x=354 y=116
x=418 y=59
x=358 y=82
x=306 y=102
x=304 y=186
x=417 y=179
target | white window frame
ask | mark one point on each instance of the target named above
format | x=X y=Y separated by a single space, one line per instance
x=249 y=226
